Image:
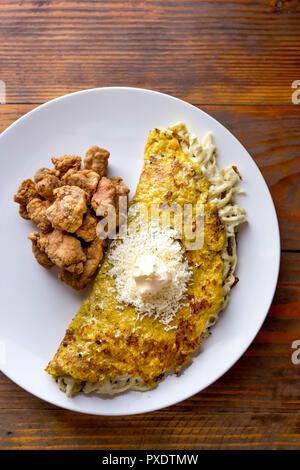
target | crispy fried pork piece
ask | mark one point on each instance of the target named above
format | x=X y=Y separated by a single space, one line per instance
x=68 y=209
x=108 y=193
x=40 y=255
x=94 y=254
x=41 y=172
x=121 y=190
x=105 y=194
x=65 y=163
x=36 y=210
x=62 y=249
x=46 y=186
x=96 y=159
x=46 y=181
x=87 y=231
x=23 y=212
x=85 y=179
x=26 y=192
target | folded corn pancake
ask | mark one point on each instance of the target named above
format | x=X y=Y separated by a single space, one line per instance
x=113 y=345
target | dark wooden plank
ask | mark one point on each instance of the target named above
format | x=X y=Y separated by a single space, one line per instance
x=10 y=113
x=191 y=429
x=203 y=51
x=272 y=136
x=255 y=405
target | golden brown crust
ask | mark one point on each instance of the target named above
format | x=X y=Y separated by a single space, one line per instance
x=41 y=172
x=26 y=192
x=68 y=209
x=120 y=186
x=214 y=233
x=36 y=210
x=105 y=194
x=65 y=163
x=23 y=212
x=62 y=249
x=96 y=159
x=87 y=231
x=94 y=254
x=46 y=186
x=121 y=191
x=85 y=179
x=40 y=255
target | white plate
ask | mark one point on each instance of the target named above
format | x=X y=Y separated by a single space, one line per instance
x=36 y=307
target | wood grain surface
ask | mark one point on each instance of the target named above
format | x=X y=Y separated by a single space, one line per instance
x=205 y=51
x=237 y=61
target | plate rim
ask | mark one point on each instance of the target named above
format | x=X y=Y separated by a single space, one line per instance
x=277 y=253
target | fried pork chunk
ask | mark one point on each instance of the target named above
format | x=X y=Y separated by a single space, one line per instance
x=96 y=159
x=25 y=194
x=41 y=172
x=40 y=255
x=36 y=210
x=108 y=193
x=65 y=163
x=105 y=194
x=85 y=179
x=87 y=231
x=62 y=202
x=68 y=209
x=121 y=190
x=62 y=249
x=94 y=254
x=46 y=184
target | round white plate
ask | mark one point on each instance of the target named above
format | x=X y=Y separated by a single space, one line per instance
x=36 y=307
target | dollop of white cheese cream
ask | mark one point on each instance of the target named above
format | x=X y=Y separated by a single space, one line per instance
x=150 y=275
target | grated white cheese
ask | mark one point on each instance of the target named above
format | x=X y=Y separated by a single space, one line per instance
x=152 y=241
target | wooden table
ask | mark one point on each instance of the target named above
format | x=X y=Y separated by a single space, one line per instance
x=236 y=60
